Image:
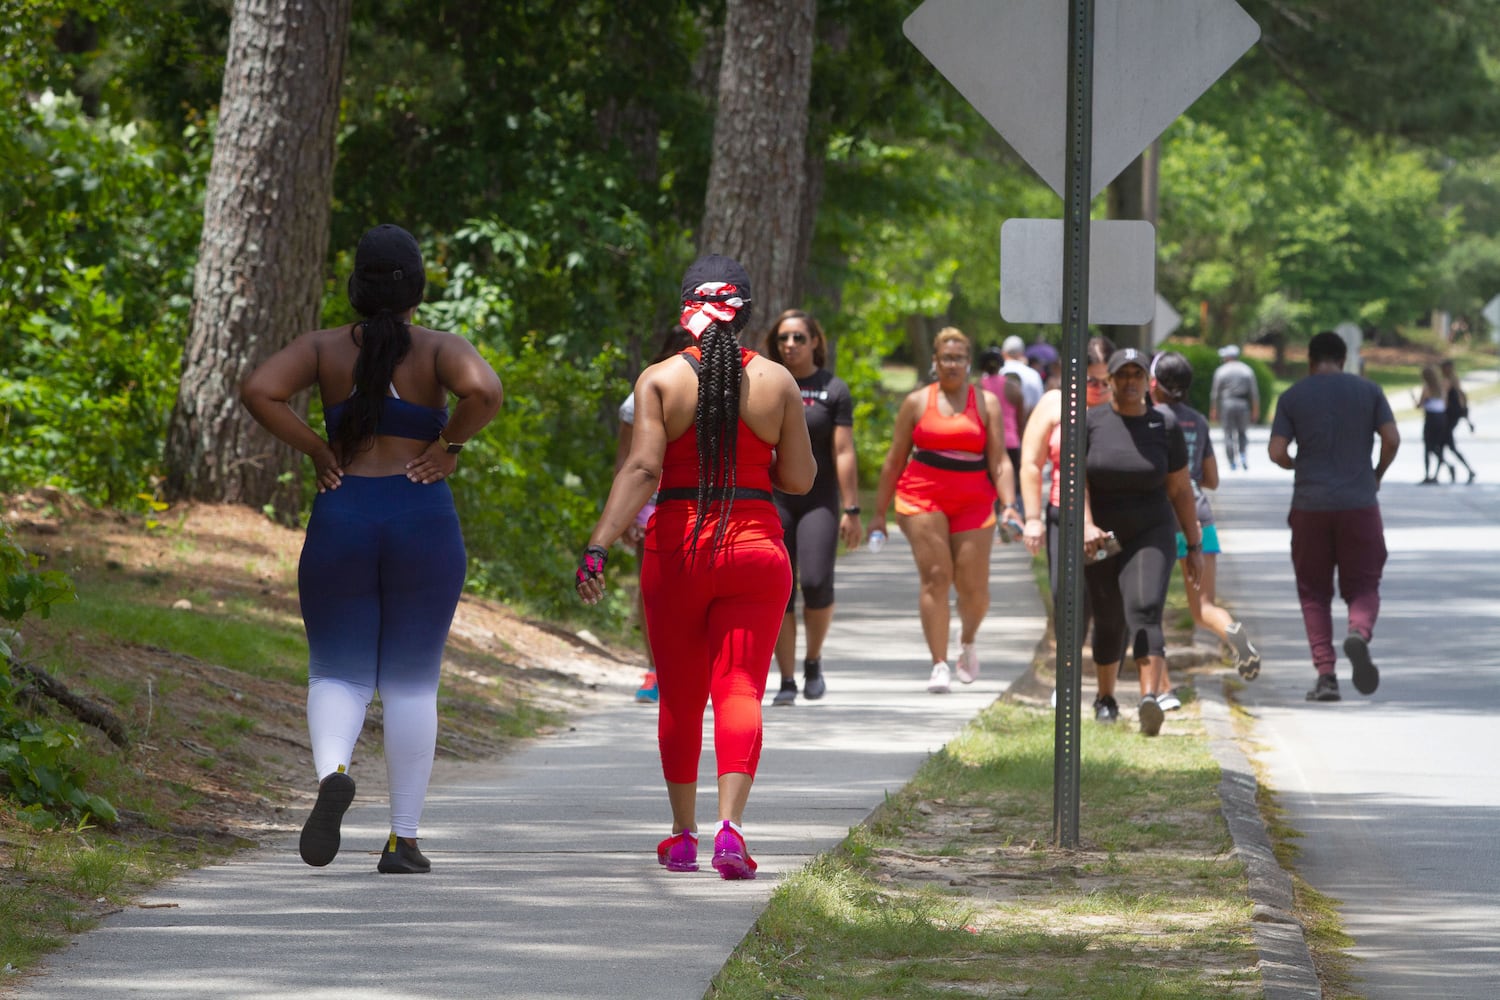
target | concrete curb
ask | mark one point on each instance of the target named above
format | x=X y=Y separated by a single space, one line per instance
x=1286 y=965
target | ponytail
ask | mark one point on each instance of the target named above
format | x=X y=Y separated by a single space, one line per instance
x=383 y=342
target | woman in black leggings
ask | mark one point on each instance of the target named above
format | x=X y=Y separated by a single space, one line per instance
x=815 y=521
x=1139 y=490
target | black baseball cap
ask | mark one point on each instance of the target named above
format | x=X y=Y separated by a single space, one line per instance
x=713 y=267
x=388 y=272
x=1127 y=356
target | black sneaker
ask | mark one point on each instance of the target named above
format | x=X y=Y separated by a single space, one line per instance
x=788 y=693
x=1366 y=677
x=320 y=834
x=1327 y=689
x=1106 y=709
x=401 y=858
x=813 y=686
x=1243 y=654
x=1151 y=716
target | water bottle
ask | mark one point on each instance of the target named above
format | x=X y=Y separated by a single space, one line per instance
x=876 y=541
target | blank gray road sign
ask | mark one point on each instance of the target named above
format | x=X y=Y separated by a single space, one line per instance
x=1152 y=59
x=1491 y=312
x=1122 y=271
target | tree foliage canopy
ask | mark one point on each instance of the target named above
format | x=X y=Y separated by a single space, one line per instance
x=553 y=160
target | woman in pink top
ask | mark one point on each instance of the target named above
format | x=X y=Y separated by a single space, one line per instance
x=1042 y=446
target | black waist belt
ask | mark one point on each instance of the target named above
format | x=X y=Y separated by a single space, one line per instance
x=691 y=493
x=947 y=462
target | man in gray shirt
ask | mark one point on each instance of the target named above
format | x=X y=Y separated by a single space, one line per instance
x=1234 y=401
x=1335 y=518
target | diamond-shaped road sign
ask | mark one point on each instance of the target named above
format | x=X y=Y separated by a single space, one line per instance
x=1491 y=312
x=1152 y=59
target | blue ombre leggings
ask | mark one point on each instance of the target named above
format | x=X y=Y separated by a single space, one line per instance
x=381 y=572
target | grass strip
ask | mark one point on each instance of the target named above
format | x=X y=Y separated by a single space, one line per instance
x=951 y=887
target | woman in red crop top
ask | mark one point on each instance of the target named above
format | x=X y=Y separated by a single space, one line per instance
x=946 y=465
x=717 y=427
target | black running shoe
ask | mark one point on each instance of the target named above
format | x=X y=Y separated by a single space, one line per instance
x=1327 y=689
x=1366 y=677
x=813 y=685
x=401 y=858
x=320 y=834
x=1106 y=709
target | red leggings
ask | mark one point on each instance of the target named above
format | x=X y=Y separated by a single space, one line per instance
x=712 y=625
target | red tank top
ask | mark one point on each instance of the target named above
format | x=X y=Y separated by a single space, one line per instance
x=962 y=432
x=752 y=467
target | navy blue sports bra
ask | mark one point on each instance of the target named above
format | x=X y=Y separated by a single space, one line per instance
x=398 y=418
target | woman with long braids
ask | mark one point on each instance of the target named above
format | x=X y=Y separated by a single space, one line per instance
x=718 y=426
x=383 y=562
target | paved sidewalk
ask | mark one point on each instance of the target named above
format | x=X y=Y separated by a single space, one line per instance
x=544 y=881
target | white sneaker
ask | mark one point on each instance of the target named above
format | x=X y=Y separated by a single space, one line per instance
x=967 y=666
x=938 y=682
x=1168 y=701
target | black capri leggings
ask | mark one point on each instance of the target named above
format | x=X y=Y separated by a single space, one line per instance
x=811 y=524
x=1129 y=590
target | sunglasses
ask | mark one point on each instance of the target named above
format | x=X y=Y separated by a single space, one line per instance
x=791 y=338
x=1098 y=383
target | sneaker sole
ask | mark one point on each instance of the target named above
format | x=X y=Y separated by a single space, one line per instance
x=394 y=864
x=733 y=867
x=939 y=688
x=784 y=701
x=1366 y=676
x=1151 y=718
x=1245 y=656
x=319 y=843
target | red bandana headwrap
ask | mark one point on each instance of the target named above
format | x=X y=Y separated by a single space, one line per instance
x=709 y=302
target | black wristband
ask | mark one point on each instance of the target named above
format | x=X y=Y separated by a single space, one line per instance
x=1195 y=546
x=851 y=510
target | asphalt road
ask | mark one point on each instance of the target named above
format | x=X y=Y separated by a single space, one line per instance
x=1397 y=795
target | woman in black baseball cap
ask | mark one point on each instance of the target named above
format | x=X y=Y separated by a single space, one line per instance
x=1138 y=492
x=383 y=563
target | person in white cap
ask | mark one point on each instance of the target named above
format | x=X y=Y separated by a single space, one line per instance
x=1234 y=401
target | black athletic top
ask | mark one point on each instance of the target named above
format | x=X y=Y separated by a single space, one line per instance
x=1127 y=465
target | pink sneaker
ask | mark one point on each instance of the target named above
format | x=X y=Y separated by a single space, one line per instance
x=679 y=852
x=731 y=857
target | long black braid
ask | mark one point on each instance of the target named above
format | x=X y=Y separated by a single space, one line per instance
x=384 y=341
x=717 y=425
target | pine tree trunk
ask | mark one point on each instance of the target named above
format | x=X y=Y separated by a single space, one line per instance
x=757 y=181
x=259 y=278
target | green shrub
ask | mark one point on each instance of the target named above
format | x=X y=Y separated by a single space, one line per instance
x=96 y=251
x=37 y=754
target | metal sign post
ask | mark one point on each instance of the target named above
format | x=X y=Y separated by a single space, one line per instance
x=1065 y=762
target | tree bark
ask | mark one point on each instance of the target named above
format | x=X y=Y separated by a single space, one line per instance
x=1132 y=195
x=259 y=278
x=757 y=181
